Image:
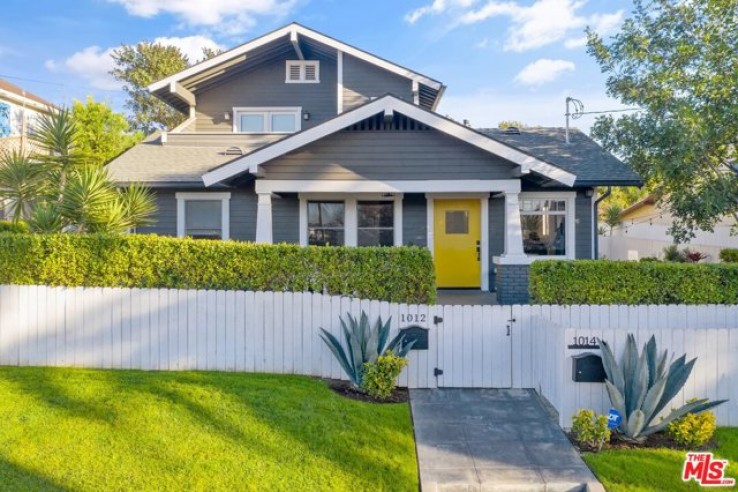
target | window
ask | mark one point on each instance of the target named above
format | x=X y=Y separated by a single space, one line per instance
x=457 y=222
x=203 y=215
x=544 y=224
x=266 y=120
x=302 y=72
x=376 y=223
x=326 y=223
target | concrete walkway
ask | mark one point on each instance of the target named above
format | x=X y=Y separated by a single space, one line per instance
x=493 y=440
x=466 y=297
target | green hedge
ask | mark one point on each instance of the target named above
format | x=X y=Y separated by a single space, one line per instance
x=729 y=255
x=393 y=274
x=629 y=282
x=14 y=227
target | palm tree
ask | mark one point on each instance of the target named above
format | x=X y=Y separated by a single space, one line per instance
x=21 y=182
x=611 y=216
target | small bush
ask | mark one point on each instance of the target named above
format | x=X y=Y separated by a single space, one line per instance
x=693 y=430
x=14 y=227
x=631 y=282
x=673 y=254
x=729 y=255
x=590 y=429
x=649 y=258
x=379 y=377
x=403 y=274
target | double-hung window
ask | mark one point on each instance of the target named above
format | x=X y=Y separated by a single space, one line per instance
x=326 y=223
x=203 y=215
x=546 y=226
x=266 y=120
x=376 y=223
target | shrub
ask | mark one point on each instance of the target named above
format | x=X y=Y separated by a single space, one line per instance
x=673 y=254
x=641 y=386
x=380 y=376
x=693 y=430
x=364 y=344
x=14 y=227
x=391 y=274
x=729 y=255
x=694 y=256
x=590 y=429
x=630 y=282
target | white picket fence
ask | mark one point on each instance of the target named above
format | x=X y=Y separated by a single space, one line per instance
x=468 y=346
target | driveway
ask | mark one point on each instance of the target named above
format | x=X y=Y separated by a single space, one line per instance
x=493 y=440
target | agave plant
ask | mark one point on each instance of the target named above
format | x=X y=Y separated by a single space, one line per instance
x=641 y=387
x=364 y=343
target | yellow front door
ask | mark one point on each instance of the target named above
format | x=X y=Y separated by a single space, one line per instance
x=456 y=230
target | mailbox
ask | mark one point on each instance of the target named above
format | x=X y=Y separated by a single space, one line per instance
x=418 y=334
x=587 y=368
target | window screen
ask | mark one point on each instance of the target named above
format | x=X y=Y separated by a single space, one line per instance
x=203 y=219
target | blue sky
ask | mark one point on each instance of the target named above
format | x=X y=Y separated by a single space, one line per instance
x=501 y=59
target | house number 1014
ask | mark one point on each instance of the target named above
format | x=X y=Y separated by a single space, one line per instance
x=412 y=318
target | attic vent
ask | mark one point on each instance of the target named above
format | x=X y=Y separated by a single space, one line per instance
x=233 y=151
x=303 y=72
x=511 y=130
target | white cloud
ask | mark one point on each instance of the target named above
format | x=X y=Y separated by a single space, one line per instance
x=95 y=63
x=482 y=44
x=544 y=70
x=542 y=23
x=230 y=17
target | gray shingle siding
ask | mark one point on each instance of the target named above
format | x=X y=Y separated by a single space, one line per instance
x=266 y=87
x=414 y=220
x=388 y=155
x=583 y=214
x=362 y=81
x=286 y=219
x=165 y=219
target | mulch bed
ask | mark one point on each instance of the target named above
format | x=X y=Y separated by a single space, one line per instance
x=344 y=388
x=660 y=440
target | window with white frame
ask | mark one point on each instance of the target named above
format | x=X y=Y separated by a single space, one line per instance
x=203 y=215
x=547 y=224
x=303 y=72
x=376 y=223
x=326 y=223
x=266 y=120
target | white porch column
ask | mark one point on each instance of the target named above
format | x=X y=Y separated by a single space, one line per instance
x=513 y=229
x=264 y=219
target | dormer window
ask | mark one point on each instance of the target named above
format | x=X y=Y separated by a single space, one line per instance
x=267 y=120
x=303 y=72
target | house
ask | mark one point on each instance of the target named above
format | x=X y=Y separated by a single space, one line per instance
x=19 y=113
x=644 y=232
x=297 y=137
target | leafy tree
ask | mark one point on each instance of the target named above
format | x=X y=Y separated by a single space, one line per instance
x=611 y=216
x=140 y=65
x=678 y=61
x=60 y=189
x=102 y=134
x=511 y=123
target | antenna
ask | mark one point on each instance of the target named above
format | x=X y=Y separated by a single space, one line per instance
x=578 y=112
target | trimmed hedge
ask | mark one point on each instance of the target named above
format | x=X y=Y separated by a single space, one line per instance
x=14 y=227
x=392 y=274
x=729 y=255
x=630 y=282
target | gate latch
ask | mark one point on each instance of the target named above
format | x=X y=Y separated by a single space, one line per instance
x=437 y=372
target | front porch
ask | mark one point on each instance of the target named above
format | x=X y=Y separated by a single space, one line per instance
x=466 y=297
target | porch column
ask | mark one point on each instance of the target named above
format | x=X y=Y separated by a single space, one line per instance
x=513 y=229
x=264 y=219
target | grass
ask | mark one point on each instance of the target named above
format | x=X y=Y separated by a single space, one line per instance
x=646 y=470
x=73 y=429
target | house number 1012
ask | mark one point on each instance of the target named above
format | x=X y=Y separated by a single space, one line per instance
x=412 y=318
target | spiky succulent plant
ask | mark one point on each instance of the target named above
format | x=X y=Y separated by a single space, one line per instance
x=641 y=387
x=364 y=343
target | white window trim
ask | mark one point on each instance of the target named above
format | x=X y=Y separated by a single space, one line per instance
x=570 y=197
x=267 y=112
x=302 y=64
x=351 y=216
x=225 y=210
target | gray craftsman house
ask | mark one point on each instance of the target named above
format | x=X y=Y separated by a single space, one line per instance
x=299 y=138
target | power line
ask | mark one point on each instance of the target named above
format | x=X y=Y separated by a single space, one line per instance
x=60 y=84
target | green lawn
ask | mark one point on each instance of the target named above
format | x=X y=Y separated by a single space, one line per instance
x=71 y=429
x=646 y=470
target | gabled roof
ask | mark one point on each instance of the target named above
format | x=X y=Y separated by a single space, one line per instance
x=582 y=156
x=18 y=94
x=387 y=105
x=291 y=33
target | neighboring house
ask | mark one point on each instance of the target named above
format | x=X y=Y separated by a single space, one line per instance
x=19 y=113
x=643 y=232
x=297 y=137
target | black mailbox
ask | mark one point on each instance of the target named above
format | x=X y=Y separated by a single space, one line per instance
x=587 y=368
x=417 y=334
